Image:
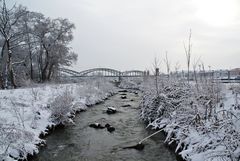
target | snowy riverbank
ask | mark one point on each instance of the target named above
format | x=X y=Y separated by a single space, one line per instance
x=204 y=121
x=25 y=114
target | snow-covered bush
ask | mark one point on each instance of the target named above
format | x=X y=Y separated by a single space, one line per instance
x=130 y=83
x=61 y=108
x=96 y=92
x=195 y=119
x=35 y=93
x=160 y=106
x=16 y=141
x=236 y=92
x=14 y=136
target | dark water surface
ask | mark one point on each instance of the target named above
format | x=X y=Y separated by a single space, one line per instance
x=82 y=143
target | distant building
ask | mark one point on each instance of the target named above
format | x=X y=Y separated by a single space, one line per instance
x=235 y=72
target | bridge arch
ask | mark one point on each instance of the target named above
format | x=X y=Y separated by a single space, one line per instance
x=100 y=72
x=106 y=72
x=69 y=72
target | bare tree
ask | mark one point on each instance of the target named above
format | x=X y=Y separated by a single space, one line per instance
x=54 y=37
x=9 y=22
x=167 y=64
x=177 y=67
x=195 y=64
x=33 y=46
x=204 y=72
x=41 y=29
x=156 y=65
x=188 y=52
x=30 y=40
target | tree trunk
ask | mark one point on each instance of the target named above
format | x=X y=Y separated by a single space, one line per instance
x=40 y=66
x=31 y=68
x=30 y=58
x=1 y=81
x=44 y=72
x=50 y=72
x=9 y=67
x=2 y=66
x=29 y=50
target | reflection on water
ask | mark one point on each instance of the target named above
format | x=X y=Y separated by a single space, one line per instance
x=82 y=143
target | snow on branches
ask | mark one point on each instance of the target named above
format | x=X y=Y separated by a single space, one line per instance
x=199 y=120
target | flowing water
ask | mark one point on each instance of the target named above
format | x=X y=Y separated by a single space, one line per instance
x=83 y=143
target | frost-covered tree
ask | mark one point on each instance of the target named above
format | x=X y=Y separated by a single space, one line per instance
x=10 y=20
x=32 y=46
x=54 y=37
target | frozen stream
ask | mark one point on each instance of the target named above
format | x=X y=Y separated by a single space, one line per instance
x=83 y=143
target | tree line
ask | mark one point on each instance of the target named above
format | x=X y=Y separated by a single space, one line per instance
x=33 y=47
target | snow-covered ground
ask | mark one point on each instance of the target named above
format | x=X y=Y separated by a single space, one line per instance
x=25 y=114
x=203 y=120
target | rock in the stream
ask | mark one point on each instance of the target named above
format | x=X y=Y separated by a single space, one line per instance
x=111 y=110
x=127 y=105
x=123 y=90
x=96 y=126
x=110 y=128
x=123 y=97
x=139 y=146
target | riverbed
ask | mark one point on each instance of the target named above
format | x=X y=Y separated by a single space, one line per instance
x=80 y=142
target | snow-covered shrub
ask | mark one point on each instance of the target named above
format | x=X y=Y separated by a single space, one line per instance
x=161 y=106
x=16 y=141
x=61 y=108
x=130 y=83
x=96 y=92
x=35 y=93
x=194 y=119
x=236 y=92
x=15 y=137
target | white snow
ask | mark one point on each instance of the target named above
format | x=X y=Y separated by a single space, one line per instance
x=26 y=113
x=111 y=108
x=203 y=128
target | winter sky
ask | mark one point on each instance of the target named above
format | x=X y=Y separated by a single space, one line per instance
x=128 y=34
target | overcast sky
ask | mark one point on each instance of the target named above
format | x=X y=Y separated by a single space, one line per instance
x=128 y=34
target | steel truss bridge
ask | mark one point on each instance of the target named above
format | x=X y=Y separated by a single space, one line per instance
x=102 y=72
